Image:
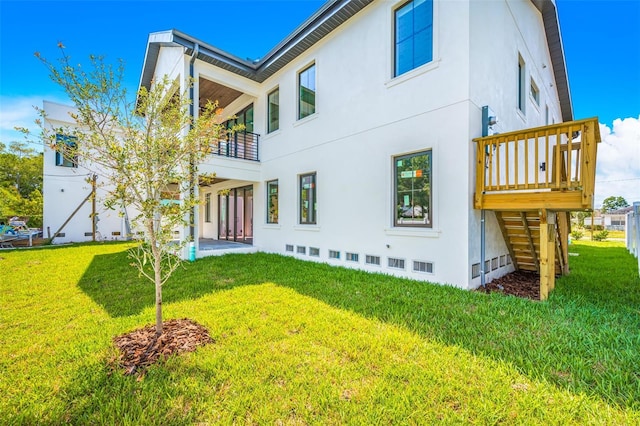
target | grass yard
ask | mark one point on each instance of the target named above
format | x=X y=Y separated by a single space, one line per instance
x=304 y=343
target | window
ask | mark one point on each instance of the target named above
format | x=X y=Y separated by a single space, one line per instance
x=546 y=115
x=301 y=250
x=351 y=257
x=413 y=190
x=372 y=260
x=535 y=92
x=289 y=247
x=307 y=92
x=413 y=35
x=420 y=266
x=334 y=254
x=66 y=147
x=272 y=201
x=521 y=83
x=207 y=207
x=395 y=263
x=314 y=251
x=308 y=199
x=273 y=111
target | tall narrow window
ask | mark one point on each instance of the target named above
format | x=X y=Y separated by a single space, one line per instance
x=308 y=199
x=546 y=114
x=413 y=188
x=307 y=92
x=66 y=151
x=207 y=207
x=521 y=83
x=535 y=92
x=272 y=201
x=413 y=35
x=273 y=111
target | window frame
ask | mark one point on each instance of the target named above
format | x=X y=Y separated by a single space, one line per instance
x=396 y=72
x=270 y=218
x=299 y=93
x=70 y=143
x=428 y=219
x=270 y=111
x=311 y=219
x=534 y=91
x=207 y=207
x=522 y=84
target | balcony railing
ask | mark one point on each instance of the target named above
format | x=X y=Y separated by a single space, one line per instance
x=243 y=145
x=553 y=166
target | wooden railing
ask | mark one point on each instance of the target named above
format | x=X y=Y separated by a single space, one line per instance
x=556 y=159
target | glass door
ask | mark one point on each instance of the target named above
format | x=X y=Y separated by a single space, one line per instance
x=235 y=215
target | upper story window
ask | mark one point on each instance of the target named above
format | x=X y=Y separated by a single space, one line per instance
x=272 y=201
x=307 y=91
x=66 y=151
x=244 y=118
x=522 y=83
x=413 y=190
x=535 y=92
x=273 y=111
x=308 y=206
x=413 y=35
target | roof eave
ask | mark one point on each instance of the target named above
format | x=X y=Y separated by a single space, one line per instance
x=556 y=52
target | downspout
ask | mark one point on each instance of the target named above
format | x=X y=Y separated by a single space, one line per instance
x=192 y=182
x=482 y=253
x=488 y=120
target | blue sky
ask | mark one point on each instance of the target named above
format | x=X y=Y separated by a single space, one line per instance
x=601 y=41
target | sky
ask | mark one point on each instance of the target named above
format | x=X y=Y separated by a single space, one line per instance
x=601 y=40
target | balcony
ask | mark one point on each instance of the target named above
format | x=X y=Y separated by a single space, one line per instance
x=551 y=167
x=241 y=145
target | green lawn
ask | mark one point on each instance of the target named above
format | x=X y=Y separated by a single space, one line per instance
x=304 y=343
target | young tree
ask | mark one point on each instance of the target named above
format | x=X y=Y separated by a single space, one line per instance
x=144 y=149
x=613 y=203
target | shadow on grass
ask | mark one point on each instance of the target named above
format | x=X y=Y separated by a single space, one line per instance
x=585 y=338
x=114 y=284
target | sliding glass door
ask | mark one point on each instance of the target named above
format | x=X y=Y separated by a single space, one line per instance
x=235 y=215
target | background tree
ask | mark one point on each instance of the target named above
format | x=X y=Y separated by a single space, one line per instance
x=21 y=182
x=613 y=203
x=144 y=148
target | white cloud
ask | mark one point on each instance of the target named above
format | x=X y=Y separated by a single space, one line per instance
x=18 y=112
x=618 y=163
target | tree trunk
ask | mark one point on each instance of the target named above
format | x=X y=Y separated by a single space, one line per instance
x=158 y=282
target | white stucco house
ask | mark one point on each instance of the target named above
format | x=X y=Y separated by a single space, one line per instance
x=359 y=147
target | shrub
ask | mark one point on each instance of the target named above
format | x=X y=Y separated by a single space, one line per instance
x=601 y=236
x=576 y=235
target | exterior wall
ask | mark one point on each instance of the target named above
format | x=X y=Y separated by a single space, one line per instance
x=364 y=117
x=500 y=32
x=64 y=188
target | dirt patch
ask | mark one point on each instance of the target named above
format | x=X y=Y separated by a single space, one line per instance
x=142 y=347
x=519 y=283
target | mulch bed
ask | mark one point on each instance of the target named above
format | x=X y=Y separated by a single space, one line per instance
x=140 y=348
x=519 y=283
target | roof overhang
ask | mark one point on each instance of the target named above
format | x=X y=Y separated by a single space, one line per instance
x=556 y=51
x=329 y=17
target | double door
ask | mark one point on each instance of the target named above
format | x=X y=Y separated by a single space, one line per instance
x=235 y=215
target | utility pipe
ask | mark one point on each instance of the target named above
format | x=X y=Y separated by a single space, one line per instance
x=192 y=183
x=482 y=253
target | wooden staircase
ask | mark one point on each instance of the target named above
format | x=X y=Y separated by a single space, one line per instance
x=521 y=233
x=531 y=179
